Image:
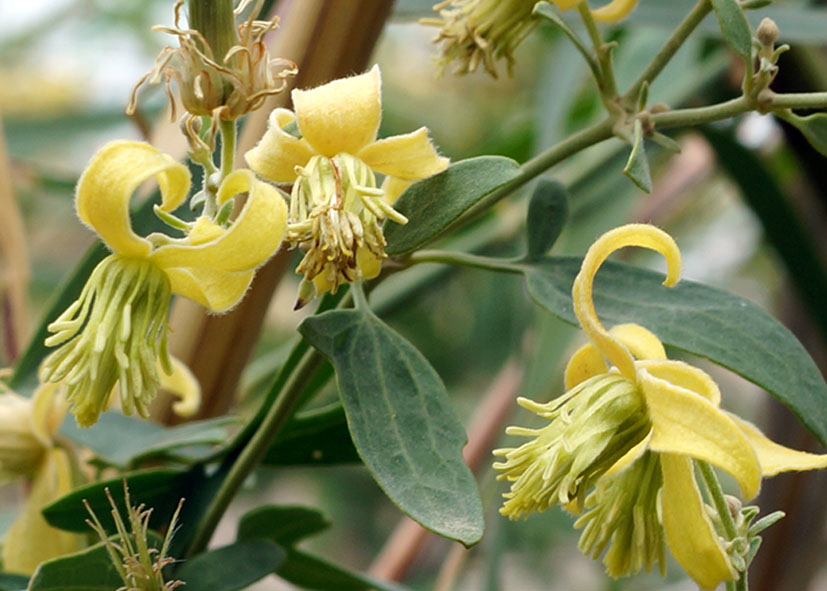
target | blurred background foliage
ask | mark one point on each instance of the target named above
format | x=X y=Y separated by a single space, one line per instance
x=66 y=70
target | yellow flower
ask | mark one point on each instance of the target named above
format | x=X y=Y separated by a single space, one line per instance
x=631 y=432
x=335 y=206
x=116 y=331
x=614 y=11
x=28 y=450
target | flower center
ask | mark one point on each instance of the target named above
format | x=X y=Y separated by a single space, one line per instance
x=336 y=210
x=115 y=332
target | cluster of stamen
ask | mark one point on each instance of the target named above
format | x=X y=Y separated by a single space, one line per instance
x=115 y=332
x=336 y=212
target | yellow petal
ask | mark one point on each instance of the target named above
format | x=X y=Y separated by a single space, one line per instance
x=642 y=235
x=641 y=342
x=393 y=188
x=684 y=375
x=254 y=236
x=411 y=156
x=49 y=409
x=684 y=422
x=340 y=116
x=277 y=154
x=216 y=290
x=614 y=11
x=629 y=457
x=586 y=363
x=775 y=458
x=184 y=385
x=30 y=540
x=689 y=533
x=566 y=4
x=106 y=187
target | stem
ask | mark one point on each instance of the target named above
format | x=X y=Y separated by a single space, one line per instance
x=699 y=115
x=798 y=100
x=716 y=494
x=228 y=141
x=462 y=259
x=669 y=49
x=254 y=451
x=215 y=20
x=607 y=84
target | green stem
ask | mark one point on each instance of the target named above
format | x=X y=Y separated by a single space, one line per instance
x=463 y=259
x=668 y=51
x=699 y=115
x=254 y=451
x=796 y=100
x=606 y=83
x=215 y=20
x=718 y=499
x=228 y=142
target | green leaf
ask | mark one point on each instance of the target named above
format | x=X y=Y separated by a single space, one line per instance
x=123 y=442
x=698 y=319
x=401 y=421
x=288 y=525
x=159 y=489
x=814 y=128
x=637 y=168
x=433 y=204
x=232 y=567
x=316 y=437
x=284 y=525
x=734 y=27
x=87 y=570
x=9 y=582
x=548 y=211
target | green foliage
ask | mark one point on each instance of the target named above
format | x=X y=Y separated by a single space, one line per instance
x=734 y=27
x=698 y=319
x=13 y=582
x=814 y=128
x=231 y=568
x=432 y=205
x=637 y=168
x=316 y=437
x=547 y=214
x=401 y=421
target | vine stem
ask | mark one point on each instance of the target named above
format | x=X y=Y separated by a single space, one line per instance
x=254 y=451
x=228 y=143
x=716 y=494
x=606 y=83
x=462 y=259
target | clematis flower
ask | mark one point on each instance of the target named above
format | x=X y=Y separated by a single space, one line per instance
x=336 y=209
x=116 y=332
x=28 y=450
x=621 y=443
x=614 y=11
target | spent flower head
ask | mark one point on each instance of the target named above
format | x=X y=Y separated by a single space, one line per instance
x=336 y=208
x=629 y=431
x=116 y=331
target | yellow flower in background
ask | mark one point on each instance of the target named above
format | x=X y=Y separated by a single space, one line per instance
x=621 y=442
x=336 y=208
x=116 y=332
x=28 y=450
x=614 y=11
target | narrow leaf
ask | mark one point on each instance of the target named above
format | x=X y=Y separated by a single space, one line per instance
x=401 y=421
x=284 y=525
x=704 y=321
x=10 y=582
x=637 y=168
x=316 y=437
x=433 y=204
x=734 y=27
x=548 y=211
x=310 y=572
x=232 y=567
x=814 y=128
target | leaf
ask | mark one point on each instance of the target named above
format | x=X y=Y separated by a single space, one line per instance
x=159 y=489
x=814 y=128
x=122 y=441
x=232 y=567
x=284 y=525
x=433 y=204
x=637 y=168
x=401 y=421
x=734 y=27
x=9 y=582
x=316 y=437
x=548 y=211
x=698 y=319
x=87 y=570
x=288 y=525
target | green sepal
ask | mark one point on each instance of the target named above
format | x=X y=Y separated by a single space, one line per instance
x=637 y=168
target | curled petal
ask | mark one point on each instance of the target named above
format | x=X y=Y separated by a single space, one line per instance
x=775 y=458
x=410 y=157
x=685 y=422
x=278 y=153
x=640 y=341
x=183 y=384
x=340 y=116
x=629 y=457
x=216 y=290
x=252 y=239
x=684 y=375
x=642 y=235
x=393 y=188
x=30 y=540
x=106 y=187
x=614 y=11
x=690 y=535
x=586 y=363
